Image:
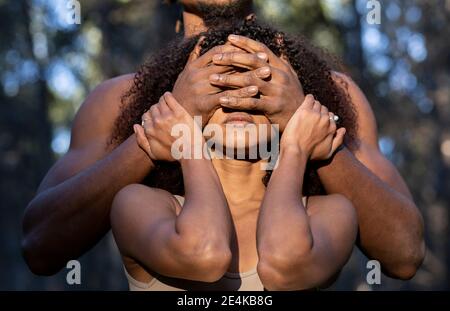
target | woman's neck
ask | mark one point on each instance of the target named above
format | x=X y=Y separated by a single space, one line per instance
x=242 y=181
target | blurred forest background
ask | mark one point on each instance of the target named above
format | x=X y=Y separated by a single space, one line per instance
x=48 y=66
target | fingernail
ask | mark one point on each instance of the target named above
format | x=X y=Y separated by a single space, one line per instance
x=252 y=89
x=134 y=128
x=214 y=77
x=233 y=38
x=217 y=57
x=261 y=55
x=224 y=100
x=264 y=71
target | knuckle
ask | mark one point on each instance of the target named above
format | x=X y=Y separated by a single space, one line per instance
x=254 y=60
x=157 y=121
x=241 y=92
x=227 y=94
x=254 y=74
x=152 y=109
x=245 y=92
x=252 y=103
x=233 y=101
x=216 y=50
x=243 y=102
x=224 y=79
x=261 y=47
x=249 y=79
x=228 y=57
x=170 y=116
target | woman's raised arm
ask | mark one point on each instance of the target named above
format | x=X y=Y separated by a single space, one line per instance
x=195 y=244
x=303 y=248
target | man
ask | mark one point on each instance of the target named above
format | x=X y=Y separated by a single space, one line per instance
x=70 y=212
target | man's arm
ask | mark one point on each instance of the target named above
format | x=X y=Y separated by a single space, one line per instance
x=70 y=212
x=390 y=224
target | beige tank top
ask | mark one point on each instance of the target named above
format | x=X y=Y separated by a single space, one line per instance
x=231 y=281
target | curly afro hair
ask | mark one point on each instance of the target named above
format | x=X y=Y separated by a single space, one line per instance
x=159 y=73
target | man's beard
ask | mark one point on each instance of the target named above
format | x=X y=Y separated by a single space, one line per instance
x=219 y=14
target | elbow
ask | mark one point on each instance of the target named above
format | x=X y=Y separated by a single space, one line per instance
x=31 y=249
x=275 y=268
x=272 y=278
x=34 y=253
x=410 y=260
x=408 y=266
x=207 y=261
x=36 y=262
x=406 y=270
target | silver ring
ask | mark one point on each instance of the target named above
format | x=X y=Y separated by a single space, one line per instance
x=143 y=122
x=334 y=118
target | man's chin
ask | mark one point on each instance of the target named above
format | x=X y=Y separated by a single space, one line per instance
x=214 y=11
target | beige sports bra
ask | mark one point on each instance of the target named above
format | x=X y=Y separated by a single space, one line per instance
x=231 y=281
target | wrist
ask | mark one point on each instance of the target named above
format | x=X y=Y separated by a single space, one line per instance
x=293 y=153
x=196 y=151
x=294 y=148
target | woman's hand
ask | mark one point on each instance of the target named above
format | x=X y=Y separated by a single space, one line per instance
x=312 y=131
x=154 y=135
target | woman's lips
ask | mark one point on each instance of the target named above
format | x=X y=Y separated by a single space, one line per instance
x=239 y=118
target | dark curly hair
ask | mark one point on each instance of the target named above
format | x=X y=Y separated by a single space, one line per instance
x=159 y=73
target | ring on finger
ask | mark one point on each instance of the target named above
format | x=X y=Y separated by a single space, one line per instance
x=143 y=122
x=334 y=118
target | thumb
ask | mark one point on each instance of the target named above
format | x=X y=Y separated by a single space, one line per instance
x=338 y=140
x=196 y=51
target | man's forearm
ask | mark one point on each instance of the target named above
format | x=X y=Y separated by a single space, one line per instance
x=64 y=221
x=390 y=226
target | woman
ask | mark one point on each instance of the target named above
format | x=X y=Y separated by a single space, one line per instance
x=230 y=230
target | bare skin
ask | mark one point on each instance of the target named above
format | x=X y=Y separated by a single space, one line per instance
x=73 y=201
x=391 y=226
x=156 y=234
x=91 y=173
